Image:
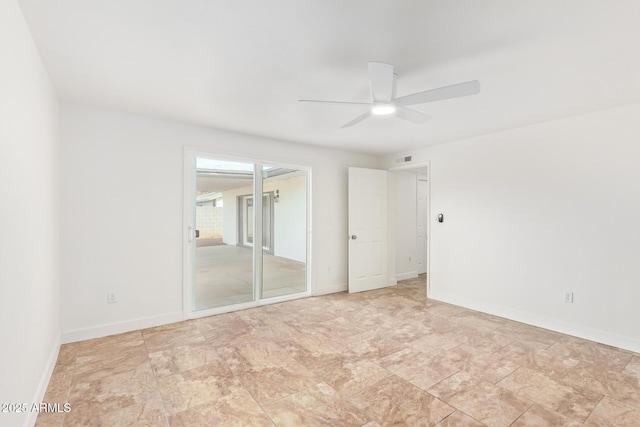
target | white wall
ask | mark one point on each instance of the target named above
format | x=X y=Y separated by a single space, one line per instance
x=535 y=211
x=114 y=165
x=29 y=307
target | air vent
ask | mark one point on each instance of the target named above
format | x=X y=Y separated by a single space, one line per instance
x=404 y=159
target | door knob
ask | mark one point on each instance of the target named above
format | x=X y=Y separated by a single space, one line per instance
x=354 y=237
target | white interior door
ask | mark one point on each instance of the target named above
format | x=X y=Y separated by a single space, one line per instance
x=368 y=237
x=422 y=218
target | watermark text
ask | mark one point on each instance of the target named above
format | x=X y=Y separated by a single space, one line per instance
x=35 y=407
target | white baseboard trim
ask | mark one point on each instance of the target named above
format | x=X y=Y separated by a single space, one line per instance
x=407 y=275
x=330 y=289
x=580 y=331
x=30 y=421
x=82 y=334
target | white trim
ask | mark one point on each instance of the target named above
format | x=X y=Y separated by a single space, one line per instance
x=410 y=166
x=309 y=264
x=332 y=289
x=100 y=331
x=196 y=314
x=234 y=157
x=30 y=421
x=428 y=278
x=407 y=275
x=258 y=253
x=597 y=335
x=245 y=305
x=423 y=178
x=188 y=221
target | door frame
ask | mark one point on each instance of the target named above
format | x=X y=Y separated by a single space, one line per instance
x=423 y=178
x=406 y=168
x=190 y=154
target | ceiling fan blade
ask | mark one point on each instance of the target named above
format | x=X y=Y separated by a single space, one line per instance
x=381 y=76
x=411 y=115
x=343 y=103
x=446 y=92
x=357 y=120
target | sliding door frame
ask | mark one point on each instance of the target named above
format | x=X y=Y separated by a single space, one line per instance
x=188 y=236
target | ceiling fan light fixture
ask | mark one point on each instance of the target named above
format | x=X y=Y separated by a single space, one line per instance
x=383 y=109
x=382 y=86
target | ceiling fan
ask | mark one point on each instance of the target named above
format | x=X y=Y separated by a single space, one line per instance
x=384 y=101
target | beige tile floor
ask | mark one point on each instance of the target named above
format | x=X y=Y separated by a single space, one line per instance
x=385 y=357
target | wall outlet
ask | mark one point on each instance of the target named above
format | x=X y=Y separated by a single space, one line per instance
x=112 y=297
x=568 y=297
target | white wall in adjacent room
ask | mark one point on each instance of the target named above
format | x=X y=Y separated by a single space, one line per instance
x=533 y=212
x=29 y=307
x=115 y=165
x=404 y=185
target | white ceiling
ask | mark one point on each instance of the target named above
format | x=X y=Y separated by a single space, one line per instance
x=243 y=64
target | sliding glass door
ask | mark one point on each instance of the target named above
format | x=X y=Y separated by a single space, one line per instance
x=223 y=268
x=245 y=250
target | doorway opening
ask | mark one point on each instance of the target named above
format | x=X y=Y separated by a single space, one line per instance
x=410 y=210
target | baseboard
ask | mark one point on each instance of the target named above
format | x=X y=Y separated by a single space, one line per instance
x=344 y=287
x=44 y=381
x=407 y=275
x=331 y=289
x=580 y=331
x=120 y=327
